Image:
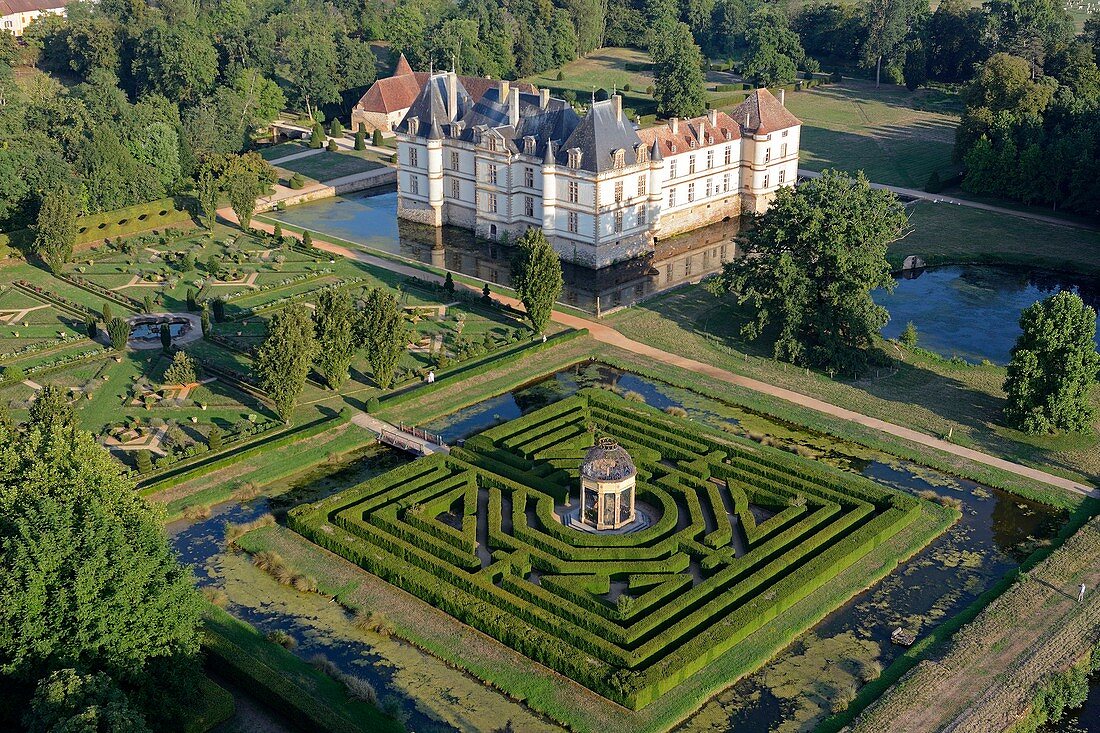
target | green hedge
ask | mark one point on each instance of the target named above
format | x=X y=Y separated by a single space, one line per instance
x=131 y=220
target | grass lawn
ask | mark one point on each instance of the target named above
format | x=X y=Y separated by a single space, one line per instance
x=930 y=394
x=893 y=135
x=274 y=152
x=327 y=165
x=942 y=233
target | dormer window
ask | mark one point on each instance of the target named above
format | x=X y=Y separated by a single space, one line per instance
x=574 y=158
x=641 y=153
x=413 y=125
x=529 y=145
x=691 y=144
x=618 y=158
x=728 y=135
x=672 y=147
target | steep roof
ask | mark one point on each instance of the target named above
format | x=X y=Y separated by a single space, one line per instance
x=600 y=133
x=698 y=130
x=403 y=67
x=11 y=7
x=430 y=107
x=762 y=113
x=398 y=92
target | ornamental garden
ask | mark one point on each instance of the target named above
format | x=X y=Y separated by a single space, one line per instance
x=739 y=533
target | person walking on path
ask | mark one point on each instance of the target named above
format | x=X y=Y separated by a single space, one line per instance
x=1081 y=595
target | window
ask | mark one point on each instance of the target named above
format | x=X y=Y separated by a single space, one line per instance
x=668 y=273
x=528 y=206
x=710 y=159
x=618 y=158
x=782 y=177
x=767 y=155
x=691 y=164
x=573 y=222
x=456 y=190
x=529 y=177
x=691 y=192
x=641 y=214
x=641 y=185
x=672 y=169
x=710 y=189
x=785 y=133
x=414 y=157
x=414 y=185
x=574 y=192
x=765 y=180
x=454 y=160
x=618 y=221
x=729 y=154
x=491 y=201
x=671 y=197
x=618 y=192
x=725 y=183
x=574 y=158
x=783 y=150
x=493 y=175
x=687 y=266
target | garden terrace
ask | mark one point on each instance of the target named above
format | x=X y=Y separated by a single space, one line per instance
x=629 y=616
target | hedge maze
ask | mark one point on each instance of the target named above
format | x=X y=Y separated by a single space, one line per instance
x=741 y=532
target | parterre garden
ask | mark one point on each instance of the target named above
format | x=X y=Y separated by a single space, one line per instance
x=741 y=533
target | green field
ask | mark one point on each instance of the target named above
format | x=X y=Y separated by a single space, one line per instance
x=469 y=531
x=326 y=166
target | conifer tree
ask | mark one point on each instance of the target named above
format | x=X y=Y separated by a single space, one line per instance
x=284 y=358
x=536 y=276
x=335 y=321
x=383 y=335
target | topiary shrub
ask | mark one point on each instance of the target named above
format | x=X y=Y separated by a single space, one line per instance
x=360 y=142
x=332 y=147
x=297 y=182
x=377 y=139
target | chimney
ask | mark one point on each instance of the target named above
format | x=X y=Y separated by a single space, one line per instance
x=782 y=97
x=452 y=95
x=712 y=115
x=544 y=98
x=513 y=107
x=504 y=88
x=674 y=123
x=617 y=105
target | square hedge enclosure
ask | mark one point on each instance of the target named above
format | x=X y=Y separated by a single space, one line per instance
x=477 y=534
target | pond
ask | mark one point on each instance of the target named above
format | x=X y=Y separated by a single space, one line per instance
x=797 y=688
x=150 y=330
x=973 y=311
x=369 y=218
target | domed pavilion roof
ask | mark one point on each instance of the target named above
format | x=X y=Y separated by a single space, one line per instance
x=607 y=461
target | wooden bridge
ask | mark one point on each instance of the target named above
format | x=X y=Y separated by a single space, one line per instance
x=403 y=437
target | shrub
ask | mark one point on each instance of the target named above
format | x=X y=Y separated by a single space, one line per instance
x=360 y=141
x=909 y=336
x=283 y=639
x=13 y=373
x=297 y=182
x=317 y=136
x=332 y=147
x=377 y=139
x=336 y=128
x=119 y=332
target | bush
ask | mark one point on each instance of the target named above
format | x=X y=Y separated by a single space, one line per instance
x=14 y=373
x=144 y=461
x=297 y=182
x=376 y=139
x=360 y=141
x=909 y=336
x=332 y=147
x=317 y=136
x=336 y=128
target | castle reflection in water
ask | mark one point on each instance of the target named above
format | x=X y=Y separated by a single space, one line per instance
x=370 y=219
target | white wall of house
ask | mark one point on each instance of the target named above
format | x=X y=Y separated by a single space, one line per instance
x=18 y=22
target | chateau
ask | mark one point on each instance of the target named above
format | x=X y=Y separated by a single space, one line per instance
x=601 y=189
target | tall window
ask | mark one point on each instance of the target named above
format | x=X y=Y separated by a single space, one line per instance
x=618 y=221
x=641 y=214
x=725 y=183
x=729 y=154
x=782 y=177
x=414 y=157
x=618 y=192
x=691 y=164
x=691 y=192
x=709 y=188
x=493 y=175
x=573 y=222
x=671 y=197
x=767 y=155
x=574 y=192
x=641 y=185
x=529 y=177
x=765 y=180
x=528 y=206
x=672 y=169
x=456 y=190
x=414 y=185
x=783 y=150
x=710 y=159
x=491 y=200
x=454 y=160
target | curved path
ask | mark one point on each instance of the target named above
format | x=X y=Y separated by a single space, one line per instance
x=608 y=335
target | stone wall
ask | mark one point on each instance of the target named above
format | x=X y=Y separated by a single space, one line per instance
x=700 y=215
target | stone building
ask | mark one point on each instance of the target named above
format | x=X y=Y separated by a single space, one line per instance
x=601 y=189
x=608 y=484
x=16 y=15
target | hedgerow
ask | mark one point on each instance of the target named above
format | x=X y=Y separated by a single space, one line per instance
x=629 y=616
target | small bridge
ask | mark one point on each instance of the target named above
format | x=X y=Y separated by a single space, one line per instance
x=403 y=437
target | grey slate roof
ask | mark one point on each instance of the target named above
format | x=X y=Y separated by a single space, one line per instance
x=430 y=108
x=598 y=135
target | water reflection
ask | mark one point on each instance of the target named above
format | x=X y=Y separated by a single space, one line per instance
x=973 y=311
x=370 y=218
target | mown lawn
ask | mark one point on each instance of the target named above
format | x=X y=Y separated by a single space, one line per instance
x=327 y=166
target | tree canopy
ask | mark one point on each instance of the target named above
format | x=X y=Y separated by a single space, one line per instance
x=537 y=278
x=284 y=358
x=337 y=337
x=383 y=334
x=1054 y=365
x=677 y=72
x=808 y=268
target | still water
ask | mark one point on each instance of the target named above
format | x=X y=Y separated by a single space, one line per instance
x=973 y=311
x=796 y=689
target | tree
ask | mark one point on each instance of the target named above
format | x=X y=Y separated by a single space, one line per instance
x=144 y=461
x=376 y=139
x=383 y=334
x=166 y=337
x=214 y=438
x=809 y=267
x=335 y=324
x=246 y=178
x=88 y=579
x=677 y=73
x=887 y=24
x=773 y=52
x=107 y=314
x=909 y=336
x=955 y=35
x=118 y=331
x=51 y=408
x=55 y=231
x=536 y=276
x=69 y=701
x=1054 y=364
x=208 y=188
x=181 y=370
x=205 y=318
x=284 y=358
x=360 y=140
x=260 y=99
x=449 y=284
x=176 y=60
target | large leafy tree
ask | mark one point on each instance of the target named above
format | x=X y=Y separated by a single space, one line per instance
x=245 y=178
x=536 y=276
x=887 y=25
x=55 y=231
x=809 y=266
x=283 y=360
x=70 y=702
x=88 y=580
x=955 y=35
x=337 y=340
x=677 y=72
x=177 y=60
x=1053 y=367
x=383 y=334
x=773 y=51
